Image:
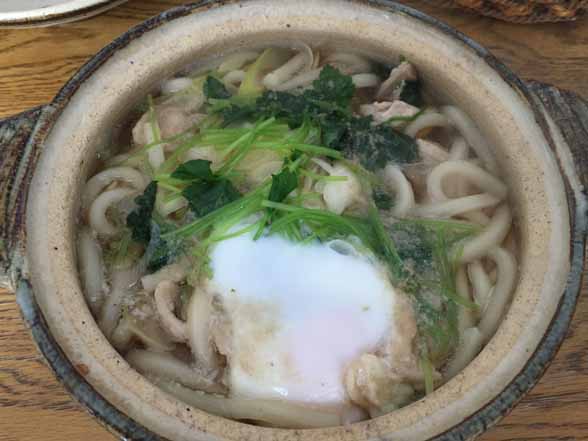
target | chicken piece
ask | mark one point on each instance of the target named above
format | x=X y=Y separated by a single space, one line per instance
x=383 y=111
x=385 y=379
x=339 y=195
x=370 y=383
x=171 y=119
x=389 y=90
x=431 y=153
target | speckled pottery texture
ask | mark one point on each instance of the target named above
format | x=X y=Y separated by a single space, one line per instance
x=541 y=141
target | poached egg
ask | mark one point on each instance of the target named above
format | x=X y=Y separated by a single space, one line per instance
x=299 y=315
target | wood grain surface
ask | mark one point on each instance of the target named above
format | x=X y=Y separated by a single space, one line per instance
x=35 y=63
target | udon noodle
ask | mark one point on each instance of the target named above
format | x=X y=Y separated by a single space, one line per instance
x=312 y=152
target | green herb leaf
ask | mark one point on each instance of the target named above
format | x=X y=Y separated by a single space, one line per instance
x=205 y=197
x=194 y=170
x=139 y=220
x=214 y=88
x=282 y=185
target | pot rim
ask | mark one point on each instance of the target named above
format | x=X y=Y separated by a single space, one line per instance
x=472 y=425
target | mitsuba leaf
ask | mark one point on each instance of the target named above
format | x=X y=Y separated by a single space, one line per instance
x=282 y=185
x=139 y=220
x=206 y=196
x=214 y=88
x=194 y=170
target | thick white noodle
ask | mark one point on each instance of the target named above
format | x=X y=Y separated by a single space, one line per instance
x=395 y=180
x=349 y=63
x=507 y=270
x=324 y=165
x=468 y=129
x=479 y=177
x=470 y=345
x=459 y=149
x=426 y=120
x=232 y=79
x=208 y=153
x=97 y=214
x=430 y=152
x=392 y=86
x=91 y=269
x=275 y=412
x=103 y=179
x=167 y=208
x=492 y=236
x=454 y=207
x=455 y=187
x=144 y=132
x=481 y=283
x=145 y=330
x=122 y=284
x=364 y=80
x=466 y=316
x=304 y=79
x=198 y=329
x=236 y=61
x=165 y=365
x=176 y=272
x=176 y=85
x=126 y=159
x=301 y=62
x=166 y=296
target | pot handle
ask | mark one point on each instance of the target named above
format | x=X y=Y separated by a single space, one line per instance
x=566 y=116
x=19 y=153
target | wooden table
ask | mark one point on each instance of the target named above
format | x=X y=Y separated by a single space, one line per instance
x=35 y=63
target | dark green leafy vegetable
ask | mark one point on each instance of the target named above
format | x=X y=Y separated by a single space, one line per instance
x=413 y=245
x=282 y=185
x=207 y=196
x=139 y=220
x=161 y=252
x=214 y=88
x=377 y=145
x=194 y=170
x=411 y=93
x=332 y=88
x=327 y=105
x=382 y=199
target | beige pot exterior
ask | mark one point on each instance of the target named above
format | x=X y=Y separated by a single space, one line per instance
x=449 y=67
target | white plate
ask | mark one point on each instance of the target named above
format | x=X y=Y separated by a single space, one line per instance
x=28 y=13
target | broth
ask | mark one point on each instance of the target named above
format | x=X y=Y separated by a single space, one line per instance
x=298 y=238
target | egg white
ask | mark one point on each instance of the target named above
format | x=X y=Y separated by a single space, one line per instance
x=299 y=314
